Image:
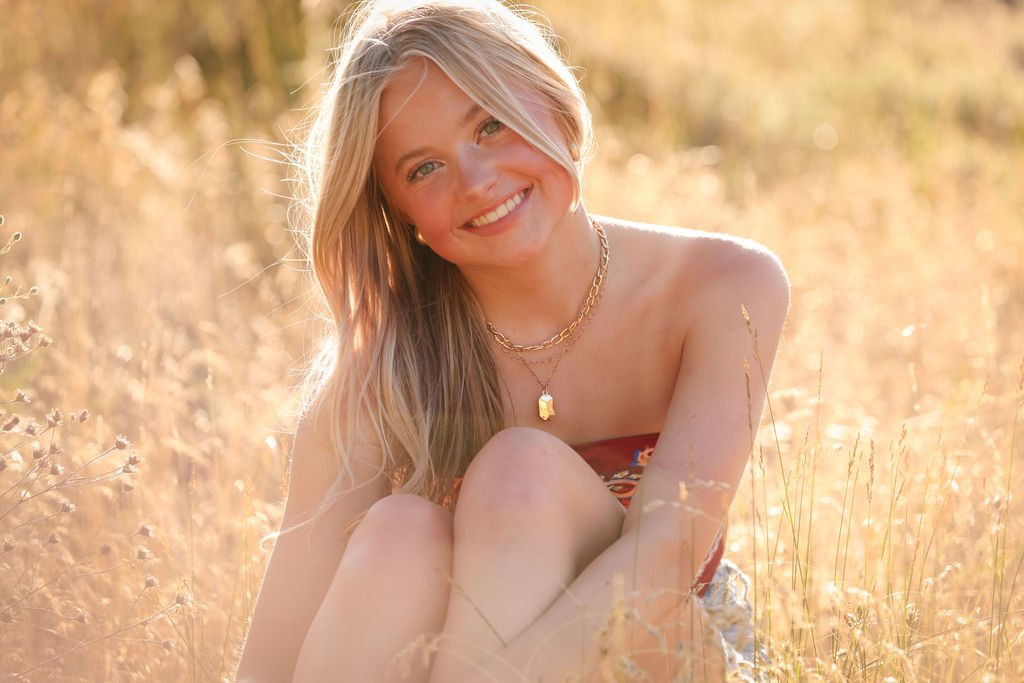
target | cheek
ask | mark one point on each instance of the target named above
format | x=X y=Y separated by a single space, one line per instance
x=561 y=181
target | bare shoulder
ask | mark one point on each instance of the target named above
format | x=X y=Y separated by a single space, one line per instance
x=702 y=265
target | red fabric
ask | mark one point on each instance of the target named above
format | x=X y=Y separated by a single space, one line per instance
x=620 y=463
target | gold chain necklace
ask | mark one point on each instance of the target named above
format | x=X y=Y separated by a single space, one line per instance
x=571 y=333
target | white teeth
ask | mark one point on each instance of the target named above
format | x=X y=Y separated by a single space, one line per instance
x=499 y=212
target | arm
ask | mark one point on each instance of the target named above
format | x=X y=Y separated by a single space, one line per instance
x=706 y=438
x=304 y=562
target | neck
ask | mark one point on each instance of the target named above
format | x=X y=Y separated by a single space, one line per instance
x=531 y=301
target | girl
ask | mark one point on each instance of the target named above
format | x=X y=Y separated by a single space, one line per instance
x=502 y=366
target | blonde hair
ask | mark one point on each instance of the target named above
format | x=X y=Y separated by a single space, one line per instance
x=406 y=359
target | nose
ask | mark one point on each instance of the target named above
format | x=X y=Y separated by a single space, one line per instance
x=478 y=174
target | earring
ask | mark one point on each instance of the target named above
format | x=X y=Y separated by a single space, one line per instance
x=419 y=236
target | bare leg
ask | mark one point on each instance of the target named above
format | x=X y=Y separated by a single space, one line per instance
x=391 y=587
x=531 y=516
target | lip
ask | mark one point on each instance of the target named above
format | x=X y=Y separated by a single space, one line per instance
x=504 y=220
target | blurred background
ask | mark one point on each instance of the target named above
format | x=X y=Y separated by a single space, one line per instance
x=877 y=147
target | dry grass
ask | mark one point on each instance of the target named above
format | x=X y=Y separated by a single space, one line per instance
x=877 y=147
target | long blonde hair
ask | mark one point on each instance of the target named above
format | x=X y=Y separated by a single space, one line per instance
x=406 y=359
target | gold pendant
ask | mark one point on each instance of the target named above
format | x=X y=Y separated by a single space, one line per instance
x=546 y=406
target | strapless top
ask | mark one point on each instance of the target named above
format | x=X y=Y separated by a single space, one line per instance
x=620 y=462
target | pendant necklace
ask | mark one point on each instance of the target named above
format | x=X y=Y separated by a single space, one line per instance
x=569 y=335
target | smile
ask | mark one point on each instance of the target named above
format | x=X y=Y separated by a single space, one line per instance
x=499 y=212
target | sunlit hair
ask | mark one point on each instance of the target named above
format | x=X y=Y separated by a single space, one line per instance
x=406 y=361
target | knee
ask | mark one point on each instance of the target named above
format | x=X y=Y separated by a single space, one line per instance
x=521 y=471
x=398 y=527
x=518 y=454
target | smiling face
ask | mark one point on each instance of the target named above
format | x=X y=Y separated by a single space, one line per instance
x=478 y=192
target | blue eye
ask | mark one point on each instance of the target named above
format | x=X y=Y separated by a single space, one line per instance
x=422 y=171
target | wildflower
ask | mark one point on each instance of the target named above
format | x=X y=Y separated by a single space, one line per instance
x=168 y=645
x=183 y=598
x=146 y=530
x=16 y=237
x=127 y=486
x=10 y=424
x=32 y=428
x=45 y=341
x=33 y=290
x=152 y=582
x=9 y=544
x=38 y=451
x=143 y=553
x=80 y=616
x=68 y=507
x=55 y=417
x=134 y=459
x=56 y=470
x=129 y=469
x=54 y=538
x=105 y=549
x=83 y=415
x=121 y=442
x=21 y=397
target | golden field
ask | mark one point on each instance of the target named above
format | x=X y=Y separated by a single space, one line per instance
x=877 y=147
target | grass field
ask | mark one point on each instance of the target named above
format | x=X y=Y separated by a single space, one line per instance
x=877 y=147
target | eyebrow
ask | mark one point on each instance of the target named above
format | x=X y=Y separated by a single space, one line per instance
x=470 y=114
